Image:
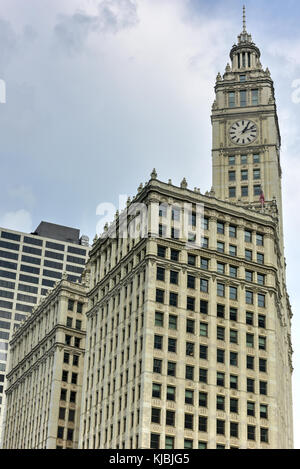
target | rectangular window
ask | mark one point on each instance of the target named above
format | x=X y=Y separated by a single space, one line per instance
x=251 y=432
x=190 y=303
x=260 y=259
x=231 y=160
x=154 y=441
x=259 y=239
x=233 y=293
x=244 y=159
x=221 y=311
x=191 y=280
x=191 y=259
x=174 y=255
x=190 y=349
x=203 y=329
x=233 y=382
x=262 y=343
x=243 y=98
x=233 y=314
x=155 y=415
x=244 y=191
x=204 y=263
x=158 y=342
x=231 y=176
x=173 y=299
x=234 y=405
x=220 y=379
x=204 y=285
x=190 y=326
x=263 y=388
x=249 y=340
x=233 y=336
x=189 y=397
x=220 y=333
x=264 y=435
x=189 y=372
x=202 y=375
x=234 y=429
x=231 y=99
x=157 y=365
x=220 y=247
x=261 y=321
x=233 y=271
x=256 y=174
x=174 y=277
x=232 y=192
x=171 y=393
x=203 y=307
x=254 y=97
x=221 y=268
x=256 y=190
x=161 y=251
x=170 y=418
x=172 y=345
x=249 y=297
x=203 y=352
x=156 y=390
x=189 y=421
x=220 y=404
x=160 y=274
x=202 y=424
x=171 y=369
x=172 y=322
x=232 y=250
x=220 y=355
x=261 y=300
x=249 y=318
x=256 y=159
x=221 y=289
x=159 y=319
x=160 y=296
x=244 y=175
x=220 y=427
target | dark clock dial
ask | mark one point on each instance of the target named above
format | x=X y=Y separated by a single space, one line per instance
x=243 y=132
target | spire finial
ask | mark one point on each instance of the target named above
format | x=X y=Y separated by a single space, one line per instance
x=244 y=19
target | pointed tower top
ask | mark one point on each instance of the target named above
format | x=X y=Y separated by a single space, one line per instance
x=244 y=19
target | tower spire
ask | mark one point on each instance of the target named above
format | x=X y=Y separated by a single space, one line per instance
x=244 y=19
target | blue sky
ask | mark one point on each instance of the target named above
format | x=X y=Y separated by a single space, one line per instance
x=101 y=91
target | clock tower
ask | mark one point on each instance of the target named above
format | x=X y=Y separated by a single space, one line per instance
x=246 y=136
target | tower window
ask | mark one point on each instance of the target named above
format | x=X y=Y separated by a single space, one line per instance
x=254 y=97
x=231 y=160
x=244 y=159
x=243 y=98
x=242 y=78
x=256 y=159
x=231 y=99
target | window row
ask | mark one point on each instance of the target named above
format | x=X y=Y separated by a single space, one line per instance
x=221 y=380
x=244 y=159
x=221 y=309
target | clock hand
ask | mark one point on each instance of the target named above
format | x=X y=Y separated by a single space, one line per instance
x=246 y=128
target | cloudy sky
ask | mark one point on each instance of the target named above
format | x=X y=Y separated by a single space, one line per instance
x=98 y=92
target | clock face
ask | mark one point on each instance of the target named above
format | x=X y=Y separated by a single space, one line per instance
x=243 y=132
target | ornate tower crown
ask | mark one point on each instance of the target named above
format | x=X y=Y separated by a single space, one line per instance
x=245 y=54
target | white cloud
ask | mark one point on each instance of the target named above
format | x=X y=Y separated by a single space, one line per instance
x=110 y=16
x=19 y=220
